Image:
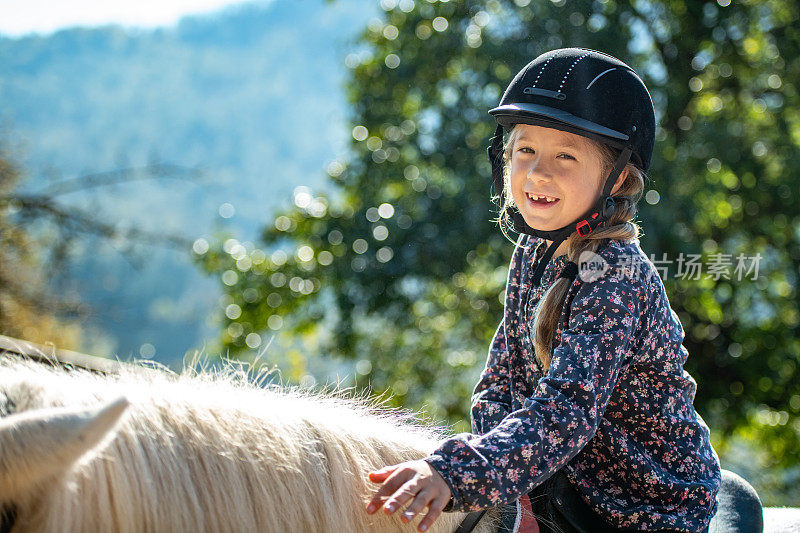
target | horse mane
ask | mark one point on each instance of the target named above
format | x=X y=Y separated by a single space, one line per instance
x=218 y=450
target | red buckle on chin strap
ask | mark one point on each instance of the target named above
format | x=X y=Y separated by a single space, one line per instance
x=583 y=228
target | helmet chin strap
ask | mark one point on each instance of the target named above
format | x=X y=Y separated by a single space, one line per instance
x=602 y=210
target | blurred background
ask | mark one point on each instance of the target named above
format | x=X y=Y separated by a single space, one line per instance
x=304 y=184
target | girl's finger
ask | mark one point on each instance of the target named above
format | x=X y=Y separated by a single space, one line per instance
x=394 y=482
x=421 y=501
x=405 y=494
x=433 y=513
x=379 y=475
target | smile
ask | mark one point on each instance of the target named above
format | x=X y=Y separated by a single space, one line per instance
x=540 y=201
x=542 y=197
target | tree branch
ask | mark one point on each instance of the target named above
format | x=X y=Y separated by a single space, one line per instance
x=124 y=175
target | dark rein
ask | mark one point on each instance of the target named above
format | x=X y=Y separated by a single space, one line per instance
x=470 y=521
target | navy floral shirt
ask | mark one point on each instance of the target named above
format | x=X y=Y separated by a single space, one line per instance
x=614 y=409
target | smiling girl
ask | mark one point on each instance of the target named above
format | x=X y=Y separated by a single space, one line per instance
x=555 y=176
x=583 y=415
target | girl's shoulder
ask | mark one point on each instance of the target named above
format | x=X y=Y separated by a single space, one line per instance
x=621 y=261
x=620 y=252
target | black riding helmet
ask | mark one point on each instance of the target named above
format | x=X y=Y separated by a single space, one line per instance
x=587 y=93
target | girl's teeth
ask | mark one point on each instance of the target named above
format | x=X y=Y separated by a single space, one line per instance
x=535 y=198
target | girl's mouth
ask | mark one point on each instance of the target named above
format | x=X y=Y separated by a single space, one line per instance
x=540 y=201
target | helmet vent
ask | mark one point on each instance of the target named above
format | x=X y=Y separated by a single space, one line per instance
x=569 y=70
x=544 y=66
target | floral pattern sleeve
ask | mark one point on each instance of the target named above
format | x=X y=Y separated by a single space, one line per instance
x=562 y=414
x=491 y=399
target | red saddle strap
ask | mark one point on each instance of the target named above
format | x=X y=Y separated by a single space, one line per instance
x=527 y=522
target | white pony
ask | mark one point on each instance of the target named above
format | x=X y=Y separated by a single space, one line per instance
x=146 y=450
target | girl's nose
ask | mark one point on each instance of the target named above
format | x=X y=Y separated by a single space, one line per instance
x=538 y=170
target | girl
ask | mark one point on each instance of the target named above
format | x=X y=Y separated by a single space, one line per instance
x=583 y=415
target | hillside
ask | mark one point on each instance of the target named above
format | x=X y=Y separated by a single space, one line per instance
x=251 y=96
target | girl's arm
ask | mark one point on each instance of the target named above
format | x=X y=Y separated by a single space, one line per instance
x=491 y=399
x=564 y=412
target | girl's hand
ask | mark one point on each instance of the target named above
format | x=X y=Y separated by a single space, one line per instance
x=415 y=480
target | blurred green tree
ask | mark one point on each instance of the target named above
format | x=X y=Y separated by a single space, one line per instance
x=27 y=310
x=402 y=269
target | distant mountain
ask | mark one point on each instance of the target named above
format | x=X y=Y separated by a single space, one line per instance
x=251 y=95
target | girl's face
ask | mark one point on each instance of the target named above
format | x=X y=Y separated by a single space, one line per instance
x=563 y=167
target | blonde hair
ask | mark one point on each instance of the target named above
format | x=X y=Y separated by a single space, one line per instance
x=621 y=226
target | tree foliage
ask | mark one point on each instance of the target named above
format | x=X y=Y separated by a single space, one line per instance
x=402 y=267
x=27 y=310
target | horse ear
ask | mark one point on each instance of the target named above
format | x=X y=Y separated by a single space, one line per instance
x=36 y=446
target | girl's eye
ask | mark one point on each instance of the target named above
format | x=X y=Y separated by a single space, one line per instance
x=526 y=149
x=567 y=156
